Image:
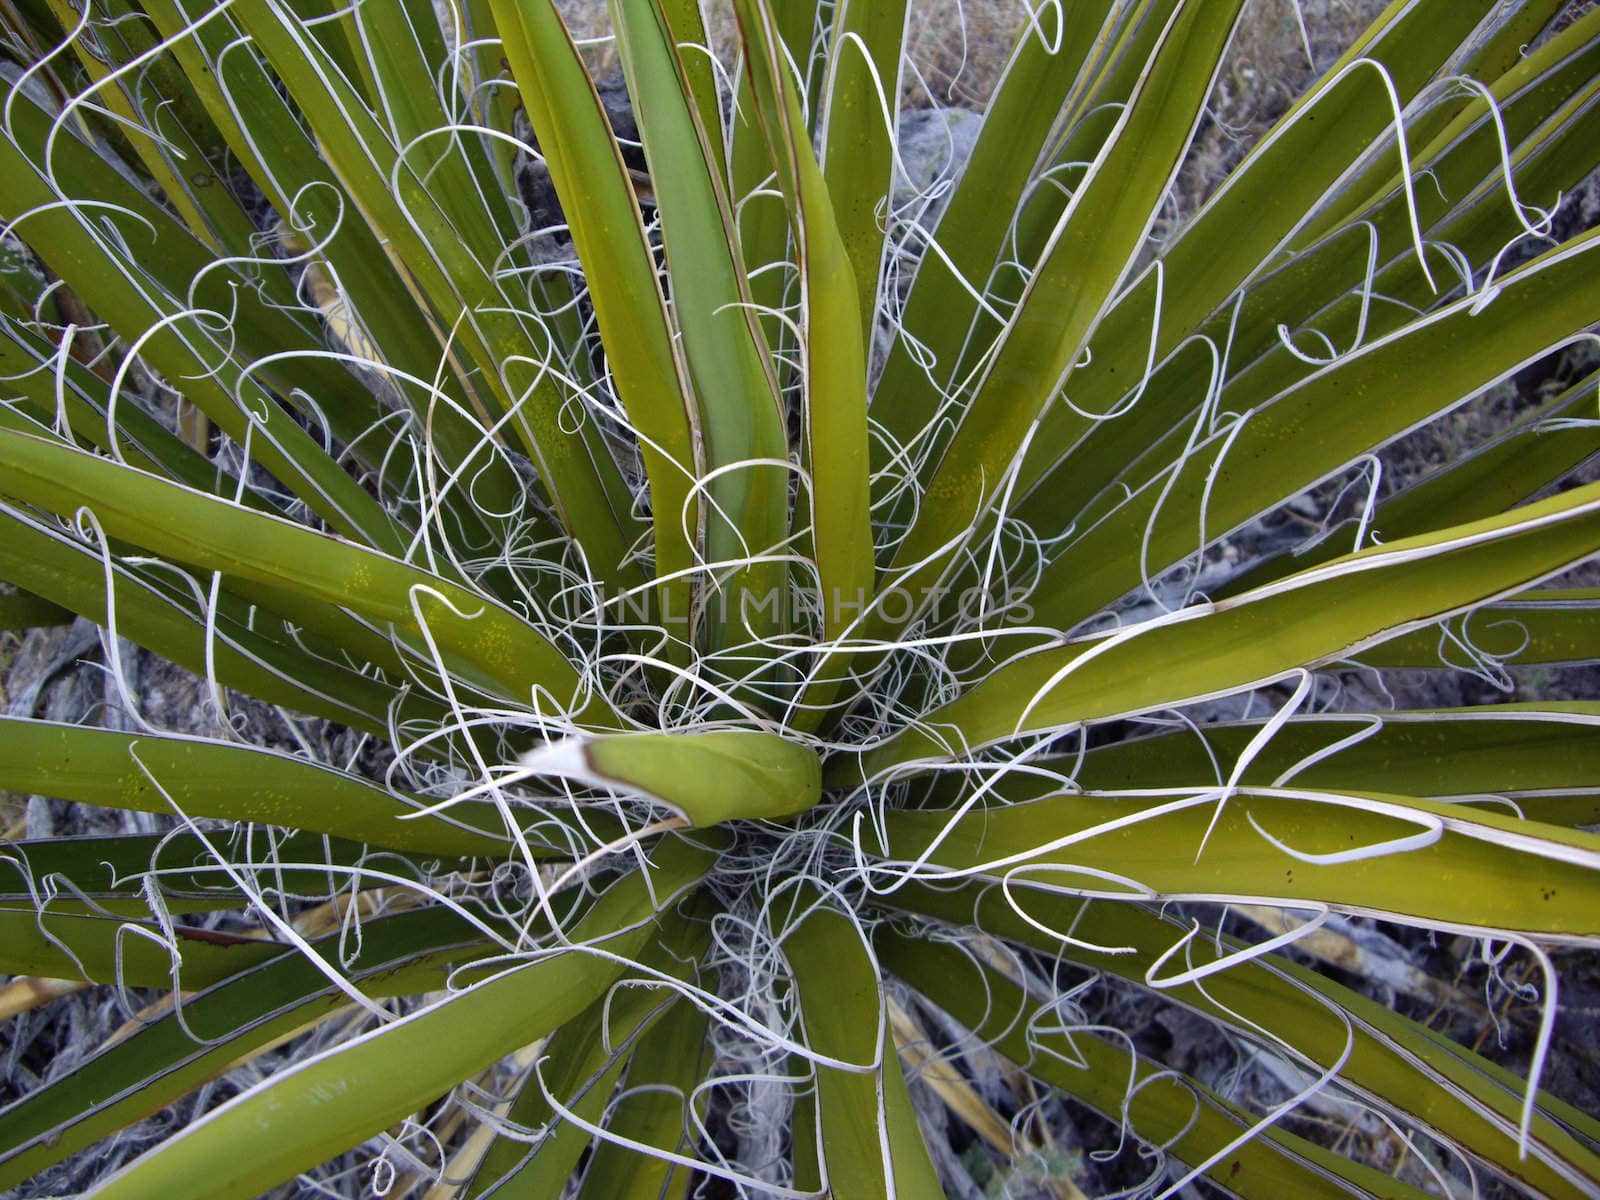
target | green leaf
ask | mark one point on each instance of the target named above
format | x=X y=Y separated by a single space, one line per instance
x=652 y=1111
x=1542 y=756
x=159 y=152
x=709 y=777
x=1089 y=256
x=401 y=49
x=1317 y=616
x=602 y=212
x=100 y=949
x=582 y=1063
x=1506 y=470
x=179 y=346
x=392 y=194
x=41 y=376
x=1194 y=1123
x=737 y=397
x=867 y=1132
x=834 y=370
x=248 y=107
x=860 y=118
x=204 y=778
x=1397 y=857
x=1396 y=1063
x=1506 y=59
x=324 y=1105
x=1075 y=455
x=1050 y=64
x=1338 y=413
x=581 y=1069
x=21 y=609
x=115 y=874
x=170 y=519
x=1546 y=625
x=71 y=573
x=264 y=996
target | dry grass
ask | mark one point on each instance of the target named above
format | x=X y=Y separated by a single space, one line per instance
x=1280 y=49
x=959 y=48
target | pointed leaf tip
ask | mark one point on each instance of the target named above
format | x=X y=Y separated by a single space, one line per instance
x=723 y=775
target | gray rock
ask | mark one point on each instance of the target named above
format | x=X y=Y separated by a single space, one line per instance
x=935 y=144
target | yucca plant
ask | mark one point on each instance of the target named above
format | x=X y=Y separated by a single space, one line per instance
x=790 y=615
